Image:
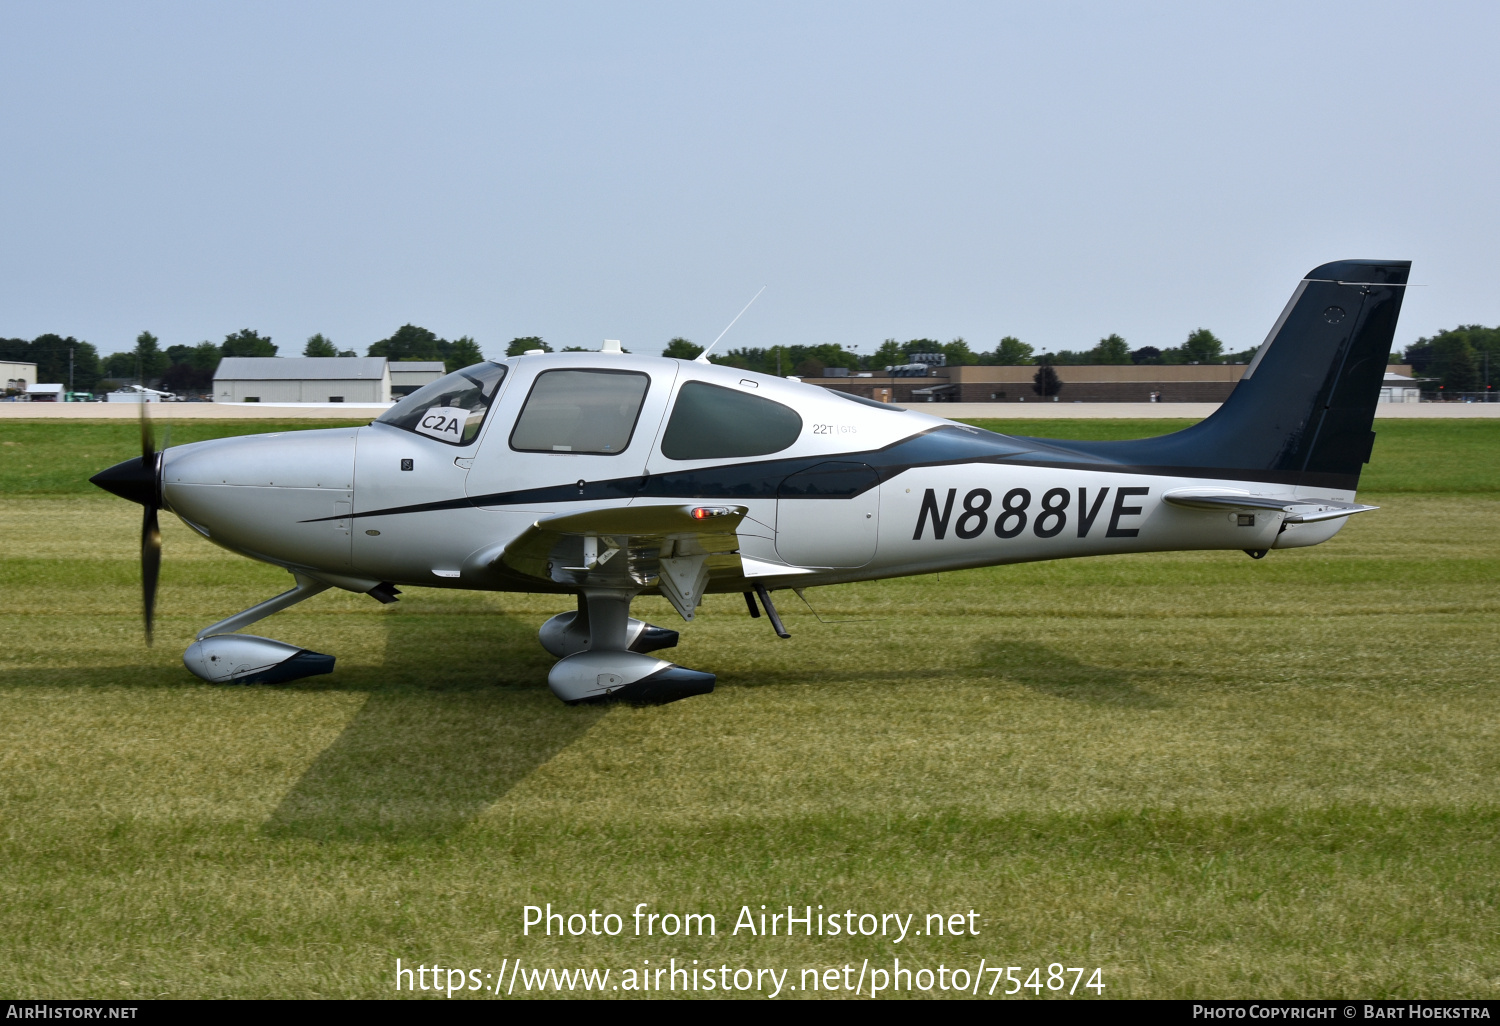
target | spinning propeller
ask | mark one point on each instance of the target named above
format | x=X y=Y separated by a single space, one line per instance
x=140 y=481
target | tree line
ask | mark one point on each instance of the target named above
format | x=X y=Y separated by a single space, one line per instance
x=1461 y=359
x=1201 y=346
x=51 y=354
x=184 y=368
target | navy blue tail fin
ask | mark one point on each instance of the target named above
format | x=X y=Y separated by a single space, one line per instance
x=1302 y=413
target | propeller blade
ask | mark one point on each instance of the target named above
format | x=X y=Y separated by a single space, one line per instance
x=150 y=528
x=140 y=481
x=150 y=565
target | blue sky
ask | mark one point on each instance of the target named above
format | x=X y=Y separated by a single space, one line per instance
x=637 y=171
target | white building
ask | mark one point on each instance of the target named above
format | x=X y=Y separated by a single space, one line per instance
x=1398 y=388
x=303 y=379
x=18 y=376
x=409 y=375
x=47 y=393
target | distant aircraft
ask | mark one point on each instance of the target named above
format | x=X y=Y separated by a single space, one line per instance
x=140 y=394
x=606 y=476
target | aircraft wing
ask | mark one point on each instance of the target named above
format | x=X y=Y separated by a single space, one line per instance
x=1298 y=511
x=675 y=547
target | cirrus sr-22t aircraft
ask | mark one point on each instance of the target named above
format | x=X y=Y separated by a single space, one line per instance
x=606 y=475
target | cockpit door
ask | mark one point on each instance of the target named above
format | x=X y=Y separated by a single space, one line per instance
x=570 y=435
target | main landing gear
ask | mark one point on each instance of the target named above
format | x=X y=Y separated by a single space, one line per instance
x=603 y=654
x=602 y=651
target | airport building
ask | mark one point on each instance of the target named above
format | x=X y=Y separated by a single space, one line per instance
x=409 y=375
x=302 y=379
x=47 y=392
x=1400 y=387
x=319 y=379
x=18 y=377
x=1130 y=383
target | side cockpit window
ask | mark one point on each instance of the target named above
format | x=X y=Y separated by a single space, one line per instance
x=584 y=411
x=451 y=409
x=710 y=422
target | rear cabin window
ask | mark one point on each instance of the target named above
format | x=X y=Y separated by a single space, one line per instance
x=587 y=411
x=710 y=422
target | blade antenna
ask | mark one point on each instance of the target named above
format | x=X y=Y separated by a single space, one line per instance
x=801 y=594
x=703 y=356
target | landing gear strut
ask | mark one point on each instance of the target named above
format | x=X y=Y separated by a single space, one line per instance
x=604 y=656
x=220 y=656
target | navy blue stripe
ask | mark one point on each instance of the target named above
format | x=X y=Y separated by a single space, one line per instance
x=938 y=447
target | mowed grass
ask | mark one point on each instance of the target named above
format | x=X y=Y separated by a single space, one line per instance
x=1210 y=776
x=50 y=457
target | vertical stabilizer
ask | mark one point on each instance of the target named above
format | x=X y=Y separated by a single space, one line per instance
x=1302 y=413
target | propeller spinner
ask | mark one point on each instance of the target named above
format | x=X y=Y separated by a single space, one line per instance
x=139 y=480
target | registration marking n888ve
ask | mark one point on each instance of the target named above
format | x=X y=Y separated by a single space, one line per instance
x=1015 y=513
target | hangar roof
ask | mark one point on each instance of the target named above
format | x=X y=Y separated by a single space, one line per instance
x=294 y=368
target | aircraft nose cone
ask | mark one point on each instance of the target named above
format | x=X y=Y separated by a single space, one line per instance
x=133 y=479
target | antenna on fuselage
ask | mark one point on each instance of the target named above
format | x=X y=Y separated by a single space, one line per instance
x=703 y=356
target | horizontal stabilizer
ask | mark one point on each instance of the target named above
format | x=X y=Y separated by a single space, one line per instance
x=1298 y=511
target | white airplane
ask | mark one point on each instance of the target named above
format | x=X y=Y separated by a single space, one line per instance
x=606 y=476
x=140 y=394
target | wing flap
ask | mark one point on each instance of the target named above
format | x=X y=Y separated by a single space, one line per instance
x=647 y=521
x=676 y=547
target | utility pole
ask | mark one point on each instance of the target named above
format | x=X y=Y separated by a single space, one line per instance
x=70 y=369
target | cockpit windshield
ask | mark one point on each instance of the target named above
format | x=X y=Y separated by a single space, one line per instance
x=451 y=409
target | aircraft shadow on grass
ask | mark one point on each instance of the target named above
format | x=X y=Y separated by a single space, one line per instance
x=459 y=714
x=1033 y=666
x=1039 y=668
x=448 y=729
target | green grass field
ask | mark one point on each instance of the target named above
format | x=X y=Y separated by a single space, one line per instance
x=1207 y=775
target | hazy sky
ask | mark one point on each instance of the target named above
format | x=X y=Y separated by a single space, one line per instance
x=584 y=171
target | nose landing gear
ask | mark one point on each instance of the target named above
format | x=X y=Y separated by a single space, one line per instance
x=247 y=659
x=604 y=655
x=220 y=656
